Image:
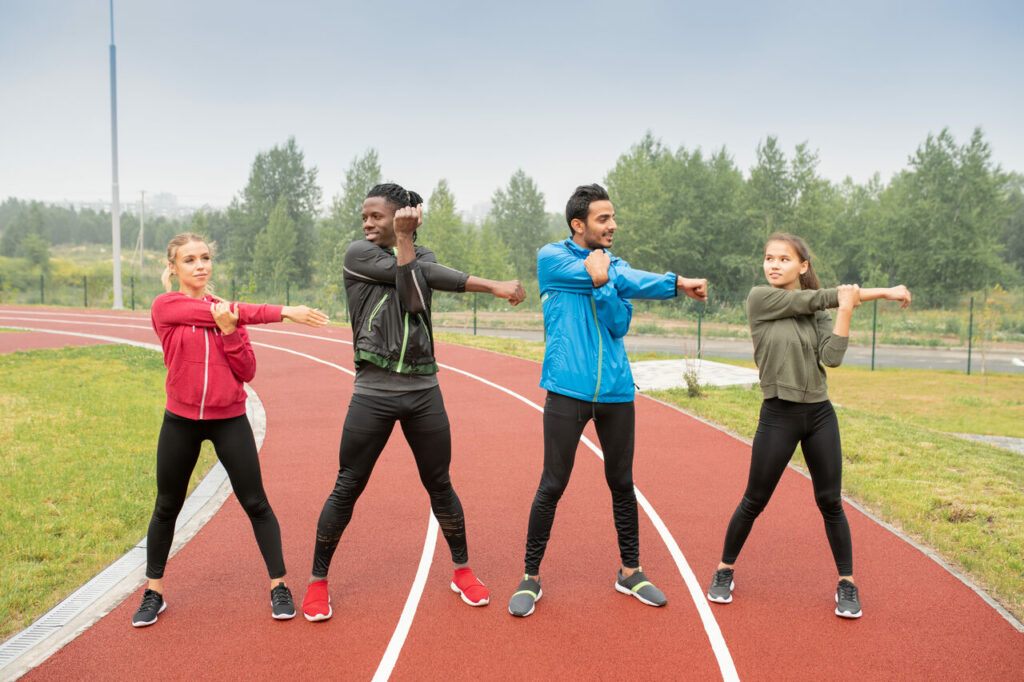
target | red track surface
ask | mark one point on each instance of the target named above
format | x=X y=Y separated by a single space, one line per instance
x=920 y=622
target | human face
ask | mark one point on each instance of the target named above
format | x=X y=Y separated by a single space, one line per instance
x=599 y=229
x=782 y=265
x=379 y=221
x=192 y=266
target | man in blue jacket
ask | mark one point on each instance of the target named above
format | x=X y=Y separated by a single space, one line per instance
x=585 y=293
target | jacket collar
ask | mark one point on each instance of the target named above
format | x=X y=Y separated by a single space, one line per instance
x=582 y=252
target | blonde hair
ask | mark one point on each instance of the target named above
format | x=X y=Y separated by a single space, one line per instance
x=172 y=252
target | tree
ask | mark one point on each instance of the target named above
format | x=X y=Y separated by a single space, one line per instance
x=276 y=175
x=276 y=257
x=443 y=230
x=344 y=225
x=771 y=191
x=518 y=218
x=36 y=249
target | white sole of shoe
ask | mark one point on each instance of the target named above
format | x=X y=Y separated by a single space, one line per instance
x=626 y=590
x=145 y=623
x=719 y=600
x=320 y=616
x=482 y=602
x=540 y=593
x=283 y=616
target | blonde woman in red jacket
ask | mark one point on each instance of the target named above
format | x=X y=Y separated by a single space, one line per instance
x=208 y=357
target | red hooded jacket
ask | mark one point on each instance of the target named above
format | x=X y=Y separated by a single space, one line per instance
x=205 y=368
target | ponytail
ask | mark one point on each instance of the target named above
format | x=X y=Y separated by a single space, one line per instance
x=165 y=277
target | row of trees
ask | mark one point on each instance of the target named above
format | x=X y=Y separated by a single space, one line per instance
x=950 y=223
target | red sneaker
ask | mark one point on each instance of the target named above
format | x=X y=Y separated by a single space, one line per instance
x=472 y=590
x=316 y=605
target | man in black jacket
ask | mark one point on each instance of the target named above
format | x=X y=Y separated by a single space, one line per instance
x=388 y=281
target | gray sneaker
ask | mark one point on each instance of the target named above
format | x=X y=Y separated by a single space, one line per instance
x=847 y=602
x=640 y=587
x=526 y=595
x=722 y=586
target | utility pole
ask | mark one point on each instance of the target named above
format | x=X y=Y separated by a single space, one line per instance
x=115 y=207
x=142 y=227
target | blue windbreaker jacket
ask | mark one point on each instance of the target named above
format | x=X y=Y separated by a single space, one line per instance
x=584 y=326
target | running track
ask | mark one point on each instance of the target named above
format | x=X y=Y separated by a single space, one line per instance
x=920 y=621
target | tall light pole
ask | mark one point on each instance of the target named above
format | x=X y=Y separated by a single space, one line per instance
x=115 y=208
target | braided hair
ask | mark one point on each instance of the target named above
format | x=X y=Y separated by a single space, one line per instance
x=397 y=196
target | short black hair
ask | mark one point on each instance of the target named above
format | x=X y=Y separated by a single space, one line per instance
x=397 y=196
x=578 y=205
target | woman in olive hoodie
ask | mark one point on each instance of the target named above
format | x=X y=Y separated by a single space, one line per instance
x=208 y=357
x=793 y=337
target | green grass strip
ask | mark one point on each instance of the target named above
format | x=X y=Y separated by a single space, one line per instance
x=78 y=432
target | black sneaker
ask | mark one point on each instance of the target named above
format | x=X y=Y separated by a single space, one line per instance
x=281 y=601
x=722 y=586
x=152 y=605
x=847 y=601
x=640 y=587
x=526 y=595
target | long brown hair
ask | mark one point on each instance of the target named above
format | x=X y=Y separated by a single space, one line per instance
x=172 y=251
x=808 y=280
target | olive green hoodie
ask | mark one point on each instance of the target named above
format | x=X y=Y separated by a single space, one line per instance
x=793 y=338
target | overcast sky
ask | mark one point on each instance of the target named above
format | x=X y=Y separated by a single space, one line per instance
x=471 y=91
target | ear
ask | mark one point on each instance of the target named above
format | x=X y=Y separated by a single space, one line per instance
x=803 y=267
x=578 y=226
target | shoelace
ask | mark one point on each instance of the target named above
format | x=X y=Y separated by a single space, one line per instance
x=150 y=600
x=280 y=596
x=847 y=591
x=722 y=578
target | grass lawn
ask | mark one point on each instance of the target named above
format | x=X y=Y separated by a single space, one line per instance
x=963 y=499
x=78 y=431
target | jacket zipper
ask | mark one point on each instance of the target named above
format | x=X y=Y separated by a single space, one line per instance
x=206 y=372
x=600 y=348
x=369 y=323
x=405 y=339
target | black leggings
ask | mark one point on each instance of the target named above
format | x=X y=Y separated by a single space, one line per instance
x=564 y=419
x=781 y=426
x=176 y=453
x=368 y=426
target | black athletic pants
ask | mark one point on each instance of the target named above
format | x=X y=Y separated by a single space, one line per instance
x=781 y=426
x=176 y=453
x=368 y=426
x=564 y=419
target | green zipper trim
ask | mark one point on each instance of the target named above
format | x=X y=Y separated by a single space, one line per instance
x=369 y=323
x=600 y=348
x=405 y=340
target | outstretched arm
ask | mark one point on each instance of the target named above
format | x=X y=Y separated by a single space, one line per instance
x=510 y=290
x=896 y=293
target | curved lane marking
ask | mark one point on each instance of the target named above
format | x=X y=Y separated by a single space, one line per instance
x=104 y=591
x=714 y=633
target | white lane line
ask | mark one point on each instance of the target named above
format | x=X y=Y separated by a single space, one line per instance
x=387 y=663
x=718 y=645
x=714 y=632
x=6 y=316
x=98 y=596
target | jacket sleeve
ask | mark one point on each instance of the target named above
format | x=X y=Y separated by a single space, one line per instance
x=632 y=283
x=559 y=270
x=441 y=277
x=831 y=347
x=238 y=350
x=612 y=311
x=263 y=313
x=171 y=310
x=366 y=261
x=174 y=309
x=772 y=303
